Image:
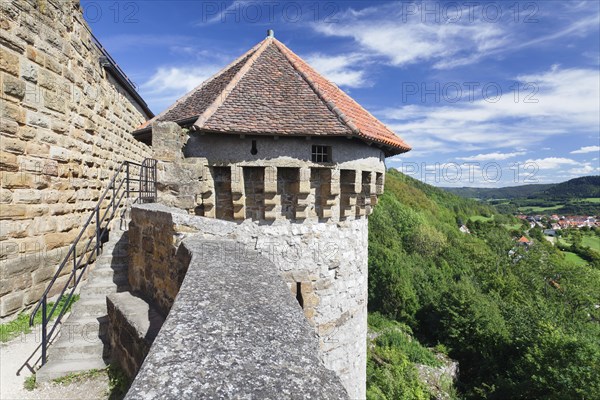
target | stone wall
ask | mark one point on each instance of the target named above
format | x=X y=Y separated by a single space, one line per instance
x=234 y=332
x=221 y=176
x=323 y=264
x=65 y=124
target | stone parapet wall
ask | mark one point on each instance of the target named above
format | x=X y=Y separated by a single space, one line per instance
x=233 y=332
x=323 y=264
x=133 y=324
x=64 y=126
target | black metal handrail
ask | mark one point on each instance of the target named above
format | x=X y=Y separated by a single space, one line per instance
x=119 y=188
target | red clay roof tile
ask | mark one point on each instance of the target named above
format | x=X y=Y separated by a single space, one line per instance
x=272 y=91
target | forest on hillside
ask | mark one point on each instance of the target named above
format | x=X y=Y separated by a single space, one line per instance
x=522 y=322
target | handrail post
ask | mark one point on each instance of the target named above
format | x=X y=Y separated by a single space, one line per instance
x=127 y=178
x=112 y=200
x=44 y=331
x=97 y=232
x=155 y=169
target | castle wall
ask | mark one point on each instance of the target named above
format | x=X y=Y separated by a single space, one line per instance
x=326 y=261
x=64 y=125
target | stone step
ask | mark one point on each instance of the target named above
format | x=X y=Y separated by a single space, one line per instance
x=109 y=272
x=90 y=306
x=60 y=368
x=83 y=327
x=105 y=288
x=112 y=259
x=77 y=349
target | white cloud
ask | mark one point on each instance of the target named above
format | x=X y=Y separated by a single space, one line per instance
x=587 y=149
x=390 y=31
x=567 y=102
x=340 y=69
x=170 y=83
x=552 y=162
x=583 y=170
x=492 y=156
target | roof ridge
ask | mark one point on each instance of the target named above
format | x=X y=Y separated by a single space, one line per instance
x=218 y=102
x=201 y=85
x=329 y=103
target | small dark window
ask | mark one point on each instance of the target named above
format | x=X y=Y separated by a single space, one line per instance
x=299 y=294
x=321 y=153
x=254 y=150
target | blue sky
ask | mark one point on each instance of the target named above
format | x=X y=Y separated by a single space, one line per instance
x=487 y=93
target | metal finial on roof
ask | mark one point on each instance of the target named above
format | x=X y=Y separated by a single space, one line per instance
x=270 y=33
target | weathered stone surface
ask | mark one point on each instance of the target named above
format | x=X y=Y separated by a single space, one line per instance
x=9 y=62
x=13 y=87
x=234 y=332
x=307 y=254
x=133 y=326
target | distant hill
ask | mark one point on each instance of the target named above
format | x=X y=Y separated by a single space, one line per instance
x=579 y=196
x=584 y=187
x=509 y=192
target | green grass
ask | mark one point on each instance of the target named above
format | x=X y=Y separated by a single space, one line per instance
x=588 y=200
x=398 y=336
x=515 y=227
x=481 y=218
x=591 y=241
x=574 y=258
x=80 y=376
x=29 y=383
x=14 y=328
x=118 y=381
x=530 y=209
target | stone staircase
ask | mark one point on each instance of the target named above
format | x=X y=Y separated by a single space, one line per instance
x=83 y=342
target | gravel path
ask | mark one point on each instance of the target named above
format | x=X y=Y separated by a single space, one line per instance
x=12 y=356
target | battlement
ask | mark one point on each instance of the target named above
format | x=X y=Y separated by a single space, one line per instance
x=219 y=177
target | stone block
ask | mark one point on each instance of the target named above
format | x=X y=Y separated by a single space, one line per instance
x=53 y=65
x=27 y=196
x=12 y=145
x=13 y=87
x=12 y=211
x=9 y=62
x=12 y=112
x=8 y=128
x=37 y=119
x=10 y=303
x=44 y=274
x=5 y=196
x=37 y=150
x=12 y=180
x=29 y=72
x=47 y=80
x=56 y=240
x=35 y=55
x=8 y=161
x=55 y=102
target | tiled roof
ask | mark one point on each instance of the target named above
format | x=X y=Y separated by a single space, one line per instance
x=272 y=91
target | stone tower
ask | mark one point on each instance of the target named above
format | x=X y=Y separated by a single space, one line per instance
x=271 y=144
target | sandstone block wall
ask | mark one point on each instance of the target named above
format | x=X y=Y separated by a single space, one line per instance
x=65 y=124
x=323 y=264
